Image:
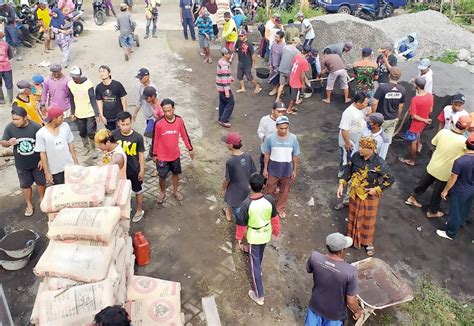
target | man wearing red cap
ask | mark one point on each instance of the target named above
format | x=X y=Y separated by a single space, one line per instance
x=54 y=142
x=238 y=169
x=460 y=187
x=450 y=144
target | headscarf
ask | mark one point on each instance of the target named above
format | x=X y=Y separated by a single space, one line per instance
x=368 y=142
x=58 y=21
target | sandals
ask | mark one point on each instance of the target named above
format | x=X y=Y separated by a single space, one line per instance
x=257 y=90
x=178 y=196
x=406 y=161
x=370 y=250
x=29 y=212
x=434 y=215
x=413 y=203
x=241 y=90
x=340 y=206
x=161 y=198
x=224 y=211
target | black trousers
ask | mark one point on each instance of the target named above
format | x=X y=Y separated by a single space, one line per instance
x=425 y=182
x=87 y=127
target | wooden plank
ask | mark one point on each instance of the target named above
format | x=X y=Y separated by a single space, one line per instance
x=210 y=310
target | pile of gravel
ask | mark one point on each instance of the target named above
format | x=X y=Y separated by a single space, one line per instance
x=435 y=31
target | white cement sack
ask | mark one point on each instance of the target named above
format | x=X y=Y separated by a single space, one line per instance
x=125 y=225
x=142 y=287
x=95 y=223
x=121 y=195
x=59 y=283
x=34 y=319
x=107 y=176
x=61 y=196
x=52 y=216
x=75 y=261
x=75 y=306
x=161 y=311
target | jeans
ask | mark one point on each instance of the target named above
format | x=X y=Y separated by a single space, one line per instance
x=314 y=319
x=7 y=77
x=426 y=181
x=111 y=124
x=308 y=42
x=235 y=213
x=256 y=258
x=459 y=209
x=153 y=19
x=12 y=38
x=226 y=106
x=403 y=48
x=87 y=127
x=189 y=22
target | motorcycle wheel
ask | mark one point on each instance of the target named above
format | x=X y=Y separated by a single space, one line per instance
x=99 y=17
x=388 y=11
x=364 y=16
x=137 y=40
x=78 y=28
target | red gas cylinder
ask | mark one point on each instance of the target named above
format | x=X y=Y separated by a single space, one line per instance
x=141 y=249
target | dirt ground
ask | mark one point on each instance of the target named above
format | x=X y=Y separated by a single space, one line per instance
x=193 y=243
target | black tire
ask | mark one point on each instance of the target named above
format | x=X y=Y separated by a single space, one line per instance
x=78 y=28
x=364 y=16
x=137 y=40
x=99 y=17
x=344 y=10
x=388 y=12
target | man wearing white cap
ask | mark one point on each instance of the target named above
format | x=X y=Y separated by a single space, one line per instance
x=427 y=74
x=340 y=287
x=306 y=29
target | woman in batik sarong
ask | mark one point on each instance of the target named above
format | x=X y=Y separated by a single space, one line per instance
x=369 y=176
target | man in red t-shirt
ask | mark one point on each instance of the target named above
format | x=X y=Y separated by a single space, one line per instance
x=420 y=108
x=165 y=148
x=299 y=67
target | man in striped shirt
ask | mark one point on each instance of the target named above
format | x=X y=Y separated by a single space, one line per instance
x=223 y=81
x=205 y=33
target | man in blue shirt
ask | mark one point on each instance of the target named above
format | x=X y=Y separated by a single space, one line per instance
x=187 y=19
x=280 y=165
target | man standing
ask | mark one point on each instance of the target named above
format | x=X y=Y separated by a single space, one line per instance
x=389 y=99
x=335 y=284
x=451 y=113
x=306 y=29
x=427 y=74
x=133 y=145
x=258 y=220
x=223 y=81
x=149 y=95
x=111 y=98
x=247 y=58
x=151 y=15
x=374 y=129
x=340 y=48
x=84 y=108
x=333 y=65
x=187 y=19
x=421 y=107
x=27 y=101
x=5 y=69
x=55 y=90
x=450 y=144
x=300 y=67
x=205 y=34
x=365 y=73
x=238 y=169
x=274 y=61
x=126 y=26
x=267 y=126
x=54 y=142
x=165 y=148
x=42 y=13
x=229 y=31
x=291 y=31
x=280 y=166
x=143 y=76
x=287 y=54
x=460 y=187
x=21 y=134
x=385 y=61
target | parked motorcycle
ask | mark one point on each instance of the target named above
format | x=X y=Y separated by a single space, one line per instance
x=77 y=22
x=372 y=12
x=99 y=9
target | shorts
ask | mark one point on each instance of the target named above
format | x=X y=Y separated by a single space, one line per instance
x=284 y=78
x=411 y=136
x=126 y=41
x=295 y=93
x=203 y=41
x=314 y=319
x=58 y=178
x=29 y=176
x=244 y=71
x=46 y=33
x=136 y=184
x=164 y=168
x=340 y=74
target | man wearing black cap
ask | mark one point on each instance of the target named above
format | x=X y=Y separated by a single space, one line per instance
x=385 y=61
x=111 y=98
x=331 y=297
x=55 y=90
x=143 y=76
x=21 y=134
x=340 y=48
x=451 y=113
x=313 y=59
x=365 y=71
x=247 y=59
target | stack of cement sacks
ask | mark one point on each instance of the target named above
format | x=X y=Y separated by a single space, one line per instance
x=89 y=262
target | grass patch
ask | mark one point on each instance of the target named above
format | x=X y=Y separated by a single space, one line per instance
x=449 y=56
x=290 y=14
x=433 y=305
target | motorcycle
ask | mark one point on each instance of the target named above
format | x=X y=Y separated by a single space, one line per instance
x=77 y=22
x=99 y=9
x=371 y=12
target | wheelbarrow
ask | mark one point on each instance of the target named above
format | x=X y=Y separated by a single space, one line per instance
x=380 y=287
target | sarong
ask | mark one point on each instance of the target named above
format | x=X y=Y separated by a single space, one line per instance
x=362 y=218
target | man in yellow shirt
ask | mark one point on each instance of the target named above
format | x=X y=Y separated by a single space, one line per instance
x=229 y=32
x=45 y=19
x=27 y=101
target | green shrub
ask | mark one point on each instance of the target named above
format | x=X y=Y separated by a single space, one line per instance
x=289 y=14
x=449 y=56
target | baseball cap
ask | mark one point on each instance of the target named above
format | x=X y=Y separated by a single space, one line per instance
x=54 y=112
x=148 y=92
x=142 y=72
x=280 y=106
x=314 y=52
x=18 y=110
x=225 y=50
x=395 y=72
x=376 y=118
x=296 y=40
x=470 y=140
x=281 y=120
x=338 y=241
x=300 y=14
x=463 y=122
x=420 y=81
x=348 y=45
x=458 y=98
x=424 y=64
x=366 y=52
x=123 y=5
x=43 y=2
x=37 y=79
x=232 y=138
x=75 y=71
x=306 y=49
x=242 y=31
x=386 y=46
x=23 y=84
x=55 y=67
